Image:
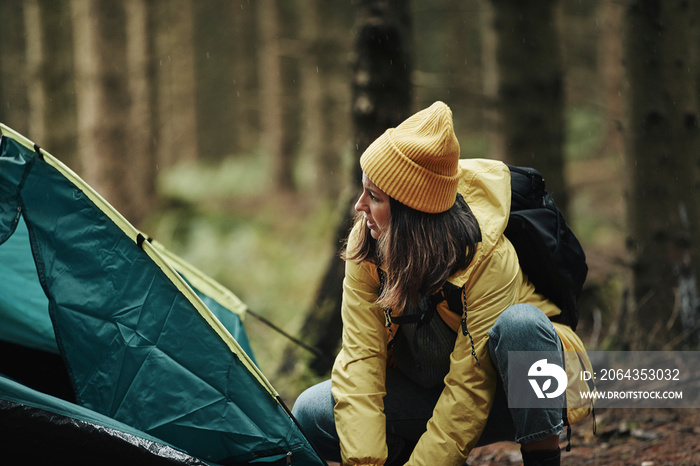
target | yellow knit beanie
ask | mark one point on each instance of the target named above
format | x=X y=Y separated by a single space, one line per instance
x=417 y=163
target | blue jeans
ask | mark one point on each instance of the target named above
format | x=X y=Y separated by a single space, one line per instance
x=408 y=406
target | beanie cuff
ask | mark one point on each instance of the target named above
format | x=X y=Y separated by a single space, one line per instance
x=417 y=187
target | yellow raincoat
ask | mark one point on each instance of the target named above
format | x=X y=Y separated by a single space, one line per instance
x=493 y=282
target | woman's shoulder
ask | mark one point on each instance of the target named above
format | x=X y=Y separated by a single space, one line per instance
x=363 y=270
x=353 y=238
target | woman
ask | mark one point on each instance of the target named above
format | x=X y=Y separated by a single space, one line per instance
x=434 y=300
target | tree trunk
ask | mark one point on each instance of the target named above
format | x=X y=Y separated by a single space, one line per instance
x=465 y=55
x=244 y=78
x=336 y=19
x=102 y=102
x=216 y=93
x=14 y=107
x=448 y=63
x=492 y=120
x=324 y=98
x=140 y=159
x=51 y=88
x=314 y=120
x=661 y=152
x=381 y=99
x=273 y=123
x=177 y=113
x=382 y=70
x=611 y=73
x=530 y=89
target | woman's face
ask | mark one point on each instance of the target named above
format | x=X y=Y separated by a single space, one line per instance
x=374 y=204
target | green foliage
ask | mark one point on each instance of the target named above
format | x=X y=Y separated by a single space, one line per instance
x=585 y=130
x=594 y=175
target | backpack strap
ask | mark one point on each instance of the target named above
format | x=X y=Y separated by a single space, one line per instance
x=456 y=297
x=465 y=330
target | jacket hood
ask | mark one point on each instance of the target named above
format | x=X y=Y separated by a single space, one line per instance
x=485 y=186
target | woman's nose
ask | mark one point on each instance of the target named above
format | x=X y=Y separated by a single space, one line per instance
x=360 y=205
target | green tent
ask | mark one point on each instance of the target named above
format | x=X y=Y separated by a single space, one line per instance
x=152 y=349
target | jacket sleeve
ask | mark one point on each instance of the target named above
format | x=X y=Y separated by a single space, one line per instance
x=359 y=371
x=462 y=410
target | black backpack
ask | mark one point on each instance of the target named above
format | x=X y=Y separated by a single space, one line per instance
x=549 y=252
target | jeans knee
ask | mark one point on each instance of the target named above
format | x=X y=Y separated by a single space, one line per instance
x=523 y=327
x=520 y=320
x=313 y=409
x=303 y=407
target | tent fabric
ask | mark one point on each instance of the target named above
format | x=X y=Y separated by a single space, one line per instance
x=23 y=305
x=143 y=345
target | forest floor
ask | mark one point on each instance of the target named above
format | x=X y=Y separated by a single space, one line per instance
x=624 y=437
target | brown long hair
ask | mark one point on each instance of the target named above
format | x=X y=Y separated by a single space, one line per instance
x=419 y=252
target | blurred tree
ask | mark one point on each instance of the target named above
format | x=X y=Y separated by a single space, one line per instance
x=245 y=77
x=661 y=151
x=315 y=119
x=325 y=95
x=381 y=99
x=102 y=101
x=14 y=106
x=176 y=121
x=142 y=132
x=115 y=102
x=530 y=95
x=214 y=59
x=382 y=68
x=463 y=68
x=51 y=91
x=276 y=130
x=447 y=63
x=489 y=69
x=611 y=72
x=226 y=77
x=292 y=104
x=579 y=24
